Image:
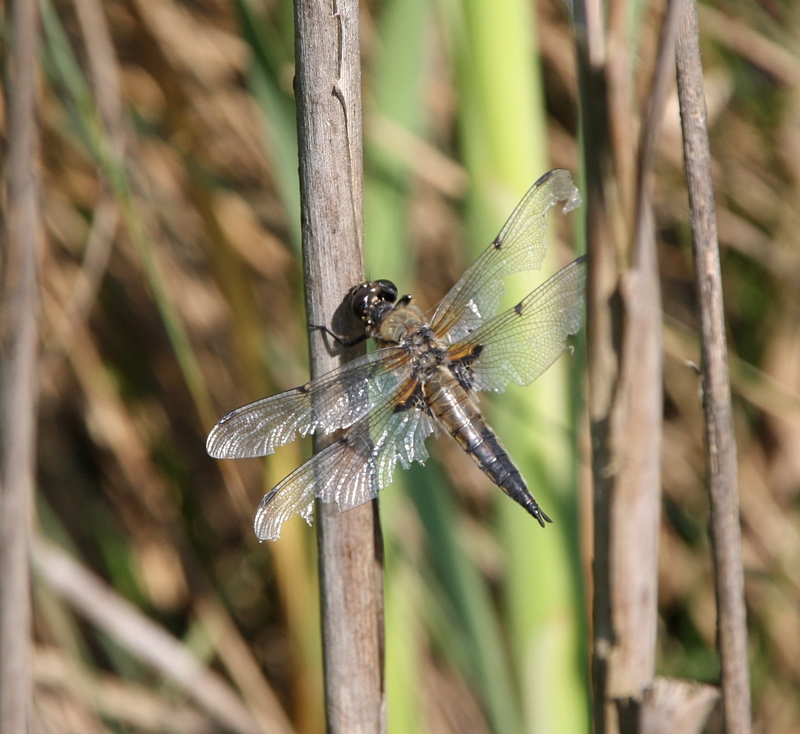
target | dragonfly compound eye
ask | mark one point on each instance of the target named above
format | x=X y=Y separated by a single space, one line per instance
x=385 y=290
x=366 y=296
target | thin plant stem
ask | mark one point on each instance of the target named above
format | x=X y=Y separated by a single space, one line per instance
x=328 y=91
x=721 y=448
x=20 y=310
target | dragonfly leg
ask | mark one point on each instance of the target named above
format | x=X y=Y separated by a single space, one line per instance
x=340 y=340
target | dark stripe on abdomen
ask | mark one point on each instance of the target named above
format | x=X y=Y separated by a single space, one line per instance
x=454 y=406
x=481 y=443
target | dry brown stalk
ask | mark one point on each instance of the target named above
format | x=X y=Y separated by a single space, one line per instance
x=20 y=308
x=328 y=91
x=625 y=359
x=721 y=448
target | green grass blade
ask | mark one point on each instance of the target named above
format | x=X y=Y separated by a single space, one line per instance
x=504 y=136
x=483 y=660
x=270 y=59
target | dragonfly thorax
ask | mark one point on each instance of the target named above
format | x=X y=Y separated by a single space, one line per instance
x=424 y=350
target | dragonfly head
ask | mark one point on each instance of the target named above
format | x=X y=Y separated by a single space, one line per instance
x=370 y=301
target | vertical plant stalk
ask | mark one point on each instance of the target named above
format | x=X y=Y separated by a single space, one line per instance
x=721 y=450
x=625 y=401
x=625 y=363
x=328 y=91
x=20 y=310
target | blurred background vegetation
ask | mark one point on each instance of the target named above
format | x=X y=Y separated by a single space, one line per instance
x=173 y=293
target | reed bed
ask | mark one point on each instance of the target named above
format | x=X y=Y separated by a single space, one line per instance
x=171 y=292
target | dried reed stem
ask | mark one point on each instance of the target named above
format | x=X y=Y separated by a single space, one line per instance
x=624 y=361
x=625 y=378
x=722 y=469
x=328 y=91
x=20 y=310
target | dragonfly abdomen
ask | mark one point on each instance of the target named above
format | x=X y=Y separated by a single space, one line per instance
x=493 y=459
x=457 y=411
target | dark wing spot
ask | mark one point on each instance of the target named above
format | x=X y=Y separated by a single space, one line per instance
x=467 y=354
x=471 y=356
x=498 y=242
x=303 y=389
x=415 y=400
x=518 y=308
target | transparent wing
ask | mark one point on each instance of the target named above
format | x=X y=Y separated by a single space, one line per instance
x=337 y=399
x=521 y=343
x=520 y=246
x=353 y=469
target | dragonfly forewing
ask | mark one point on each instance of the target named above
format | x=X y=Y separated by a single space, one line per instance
x=519 y=247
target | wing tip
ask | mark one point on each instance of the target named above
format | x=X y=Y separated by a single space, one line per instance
x=212 y=449
x=562 y=188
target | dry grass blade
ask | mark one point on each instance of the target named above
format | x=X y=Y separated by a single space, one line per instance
x=58 y=676
x=428 y=164
x=103 y=66
x=242 y=668
x=752 y=45
x=99 y=243
x=19 y=379
x=144 y=639
x=722 y=469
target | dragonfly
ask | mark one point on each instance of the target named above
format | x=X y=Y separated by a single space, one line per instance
x=423 y=377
